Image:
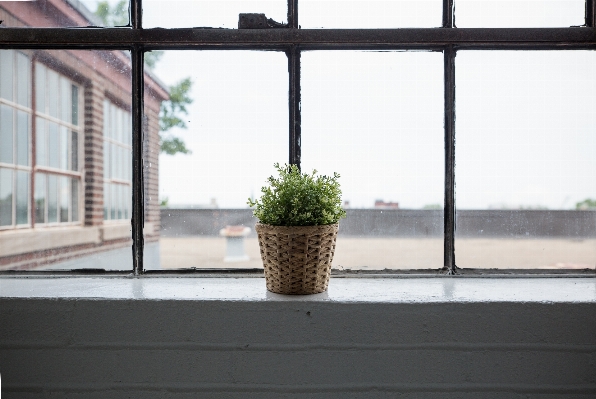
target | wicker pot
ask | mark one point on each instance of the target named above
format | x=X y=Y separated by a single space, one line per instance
x=297 y=259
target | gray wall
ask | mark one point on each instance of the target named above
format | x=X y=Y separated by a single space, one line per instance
x=403 y=223
x=149 y=349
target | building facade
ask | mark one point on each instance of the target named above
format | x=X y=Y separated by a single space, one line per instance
x=66 y=147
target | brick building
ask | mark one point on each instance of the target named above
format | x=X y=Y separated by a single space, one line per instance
x=66 y=148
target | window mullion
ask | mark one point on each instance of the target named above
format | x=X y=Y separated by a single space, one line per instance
x=138 y=209
x=136 y=14
x=449 y=14
x=590 y=13
x=137 y=159
x=293 y=14
x=294 y=101
x=449 y=211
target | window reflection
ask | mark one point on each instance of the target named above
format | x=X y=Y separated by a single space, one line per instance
x=53 y=161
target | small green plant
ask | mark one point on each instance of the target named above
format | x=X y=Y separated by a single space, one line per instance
x=299 y=199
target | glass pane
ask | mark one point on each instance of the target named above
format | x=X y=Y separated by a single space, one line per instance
x=377 y=120
x=22 y=197
x=74 y=151
x=22 y=138
x=128 y=205
x=519 y=13
x=41 y=142
x=237 y=128
x=23 y=80
x=106 y=201
x=75 y=105
x=64 y=190
x=54 y=142
x=72 y=194
x=53 y=93
x=106 y=160
x=6 y=74
x=114 y=161
x=208 y=13
x=75 y=200
x=52 y=199
x=370 y=14
x=6 y=134
x=120 y=191
x=40 y=198
x=112 y=121
x=6 y=190
x=114 y=202
x=65 y=97
x=65 y=13
x=40 y=88
x=526 y=159
x=63 y=147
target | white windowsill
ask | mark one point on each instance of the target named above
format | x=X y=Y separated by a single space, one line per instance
x=341 y=290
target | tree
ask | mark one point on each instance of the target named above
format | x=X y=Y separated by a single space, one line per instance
x=151 y=58
x=170 y=116
x=113 y=16
x=174 y=109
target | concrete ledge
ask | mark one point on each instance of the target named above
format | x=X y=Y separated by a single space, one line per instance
x=116 y=231
x=366 y=338
x=30 y=240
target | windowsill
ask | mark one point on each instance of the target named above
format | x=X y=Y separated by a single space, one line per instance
x=363 y=289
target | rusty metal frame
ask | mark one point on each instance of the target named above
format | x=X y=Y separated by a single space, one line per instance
x=293 y=40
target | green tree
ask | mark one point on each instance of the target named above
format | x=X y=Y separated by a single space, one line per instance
x=173 y=110
x=116 y=15
x=151 y=58
x=170 y=116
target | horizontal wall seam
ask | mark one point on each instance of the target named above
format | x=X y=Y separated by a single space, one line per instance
x=168 y=346
x=233 y=387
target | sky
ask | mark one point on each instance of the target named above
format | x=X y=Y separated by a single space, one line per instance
x=525 y=129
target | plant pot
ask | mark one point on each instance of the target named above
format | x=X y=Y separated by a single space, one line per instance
x=297 y=259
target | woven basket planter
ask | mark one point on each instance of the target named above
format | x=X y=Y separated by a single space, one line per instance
x=297 y=259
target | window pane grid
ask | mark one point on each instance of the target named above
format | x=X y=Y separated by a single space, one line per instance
x=117 y=145
x=136 y=18
x=15 y=138
x=56 y=148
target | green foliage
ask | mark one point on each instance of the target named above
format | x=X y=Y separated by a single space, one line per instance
x=299 y=199
x=113 y=16
x=164 y=202
x=152 y=57
x=173 y=110
x=432 y=207
x=172 y=145
x=587 y=204
x=170 y=116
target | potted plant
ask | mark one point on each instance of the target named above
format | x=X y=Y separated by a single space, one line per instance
x=298 y=222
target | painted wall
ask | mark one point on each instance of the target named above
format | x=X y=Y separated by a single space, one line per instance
x=141 y=348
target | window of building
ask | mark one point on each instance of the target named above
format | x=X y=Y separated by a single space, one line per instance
x=379 y=103
x=15 y=139
x=57 y=132
x=117 y=153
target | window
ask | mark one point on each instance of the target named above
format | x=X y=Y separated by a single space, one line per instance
x=57 y=131
x=117 y=157
x=15 y=136
x=349 y=90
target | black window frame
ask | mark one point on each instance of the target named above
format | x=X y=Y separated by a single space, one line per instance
x=291 y=39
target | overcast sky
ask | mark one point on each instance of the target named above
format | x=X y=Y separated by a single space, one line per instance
x=525 y=129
